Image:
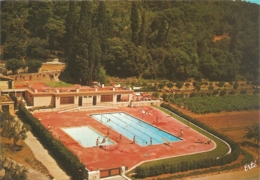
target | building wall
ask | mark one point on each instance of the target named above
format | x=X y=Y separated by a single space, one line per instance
x=3 y=85
x=58 y=105
x=11 y=106
x=42 y=101
x=87 y=100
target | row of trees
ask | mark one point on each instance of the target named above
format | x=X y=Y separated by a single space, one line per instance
x=175 y=40
x=15 y=64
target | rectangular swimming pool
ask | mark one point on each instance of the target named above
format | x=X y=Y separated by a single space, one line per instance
x=87 y=136
x=130 y=126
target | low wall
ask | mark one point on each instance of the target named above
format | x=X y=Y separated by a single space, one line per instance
x=145 y=103
x=50 y=75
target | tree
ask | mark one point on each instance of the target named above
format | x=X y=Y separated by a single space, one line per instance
x=37 y=48
x=104 y=25
x=13 y=34
x=102 y=77
x=179 y=84
x=13 y=128
x=94 y=58
x=253 y=133
x=170 y=85
x=134 y=23
x=187 y=85
x=82 y=55
x=223 y=92
x=221 y=84
x=71 y=23
x=46 y=29
x=235 y=86
x=34 y=66
x=156 y=94
x=14 y=65
x=211 y=88
x=12 y=170
x=198 y=86
x=142 y=33
x=161 y=85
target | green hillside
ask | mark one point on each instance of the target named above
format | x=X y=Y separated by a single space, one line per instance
x=176 y=40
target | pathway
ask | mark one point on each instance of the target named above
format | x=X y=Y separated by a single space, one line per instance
x=43 y=156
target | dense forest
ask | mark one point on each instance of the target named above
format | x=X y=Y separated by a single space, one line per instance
x=176 y=40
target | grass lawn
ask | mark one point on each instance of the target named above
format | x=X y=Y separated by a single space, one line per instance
x=57 y=84
x=219 y=151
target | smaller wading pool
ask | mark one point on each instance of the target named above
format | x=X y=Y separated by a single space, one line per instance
x=87 y=136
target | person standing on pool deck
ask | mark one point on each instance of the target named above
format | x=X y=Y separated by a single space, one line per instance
x=120 y=137
x=97 y=142
x=181 y=132
x=151 y=141
x=134 y=139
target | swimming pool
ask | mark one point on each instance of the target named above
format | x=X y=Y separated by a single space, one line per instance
x=130 y=126
x=87 y=136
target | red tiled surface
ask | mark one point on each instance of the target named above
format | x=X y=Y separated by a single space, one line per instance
x=124 y=152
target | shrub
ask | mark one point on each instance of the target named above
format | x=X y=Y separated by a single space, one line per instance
x=210 y=88
x=256 y=91
x=156 y=94
x=165 y=97
x=243 y=91
x=193 y=94
x=233 y=92
x=187 y=85
x=215 y=92
x=223 y=92
x=198 y=87
x=221 y=83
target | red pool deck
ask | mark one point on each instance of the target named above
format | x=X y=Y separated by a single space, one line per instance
x=124 y=151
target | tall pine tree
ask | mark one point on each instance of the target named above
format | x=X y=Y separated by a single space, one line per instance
x=134 y=23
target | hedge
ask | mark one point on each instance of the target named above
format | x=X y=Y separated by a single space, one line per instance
x=247 y=159
x=70 y=162
x=142 y=172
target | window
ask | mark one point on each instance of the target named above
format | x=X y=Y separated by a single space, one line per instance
x=87 y=96
x=66 y=100
x=106 y=98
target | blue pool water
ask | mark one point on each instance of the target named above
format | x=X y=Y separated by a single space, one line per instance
x=130 y=126
x=86 y=136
